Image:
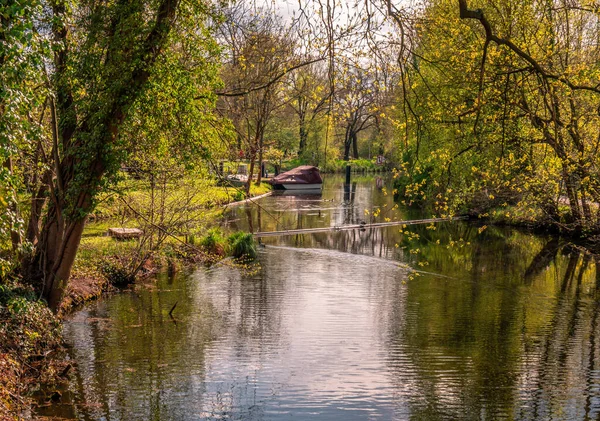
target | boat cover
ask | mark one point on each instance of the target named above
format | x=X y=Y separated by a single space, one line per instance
x=304 y=174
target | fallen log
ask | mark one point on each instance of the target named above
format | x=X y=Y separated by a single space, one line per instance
x=357 y=226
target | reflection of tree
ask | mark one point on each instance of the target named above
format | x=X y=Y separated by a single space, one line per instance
x=512 y=331
x=131 y=355
x=542 y=259
x=349 y=210
x=592 y=367
x=480 y=344
x=561 y=366
x=248 y=212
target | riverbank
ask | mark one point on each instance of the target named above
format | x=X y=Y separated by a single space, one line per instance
x=32 y=355
x=31 y=350
x=334 y=166
x=484 y=299
x=537 y=220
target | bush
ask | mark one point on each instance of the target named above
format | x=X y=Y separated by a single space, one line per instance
x=214 y=242
x=238 y=196
x=116 y=273
x=242 y=245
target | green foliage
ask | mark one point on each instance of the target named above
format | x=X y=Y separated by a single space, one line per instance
x=21 y=52
x=214 y=242
x=29 y=332
x=171 y=127
x=242 y=245
x=117 y=273
x=87 y=90
x=339 y=165
x=486 y=131
x=415 y=184
x=335 y=165
x=23 y=314
x=238 y=196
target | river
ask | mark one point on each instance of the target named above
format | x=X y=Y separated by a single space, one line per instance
x=495 y=323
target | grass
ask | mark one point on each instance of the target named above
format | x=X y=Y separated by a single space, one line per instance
x=337 y=165
x=203 y=194
x=191 y=208
x=242 y=245
x=214 y=242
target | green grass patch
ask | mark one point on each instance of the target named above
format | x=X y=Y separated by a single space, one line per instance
x=214 y=242
x=242 y=245
x=336 y=165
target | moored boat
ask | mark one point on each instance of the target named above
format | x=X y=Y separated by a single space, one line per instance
x=304 y=177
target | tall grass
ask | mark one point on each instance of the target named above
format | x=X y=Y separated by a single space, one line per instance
x=242 y=245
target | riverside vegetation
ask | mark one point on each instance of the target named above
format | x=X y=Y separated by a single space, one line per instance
x=32 y=353
x=122 y=112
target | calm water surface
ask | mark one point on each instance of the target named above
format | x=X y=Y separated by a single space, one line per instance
x=499 y=324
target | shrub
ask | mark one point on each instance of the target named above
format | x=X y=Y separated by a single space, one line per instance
x=242 y=245
x=30 y=345
x=214 y=242
x=116 y=272
x=239 y=196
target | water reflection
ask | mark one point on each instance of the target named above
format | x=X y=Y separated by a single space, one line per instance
x=500 y=324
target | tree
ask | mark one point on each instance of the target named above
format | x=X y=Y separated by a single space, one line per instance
x=262 y=52
x=309 y=93
x=21 y=52
x=562 y=94
x=501 y=102
x=356 y=104
x=104 y=57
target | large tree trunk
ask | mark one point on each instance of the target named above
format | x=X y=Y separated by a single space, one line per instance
x=57 y=268
x=355 y=145
x=82 y=143
x=50 y=266
x=59 y=238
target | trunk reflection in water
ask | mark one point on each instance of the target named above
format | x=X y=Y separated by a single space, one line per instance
x=500 y=324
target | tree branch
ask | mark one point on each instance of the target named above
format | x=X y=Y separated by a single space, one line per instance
x=266 y=85
x=466 y=13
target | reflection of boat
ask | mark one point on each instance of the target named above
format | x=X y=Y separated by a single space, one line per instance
x=300 y=192
x=304 y=177
x=236 y=180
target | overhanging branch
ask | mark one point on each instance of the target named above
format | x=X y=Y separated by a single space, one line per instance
x=274 y=80
x=477 y=14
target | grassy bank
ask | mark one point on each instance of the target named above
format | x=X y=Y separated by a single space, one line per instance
x=173 y=234
x=177 y=220
x=338 y=165
x=331 y=166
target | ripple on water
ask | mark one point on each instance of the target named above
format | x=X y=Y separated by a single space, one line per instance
x=330 y=335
